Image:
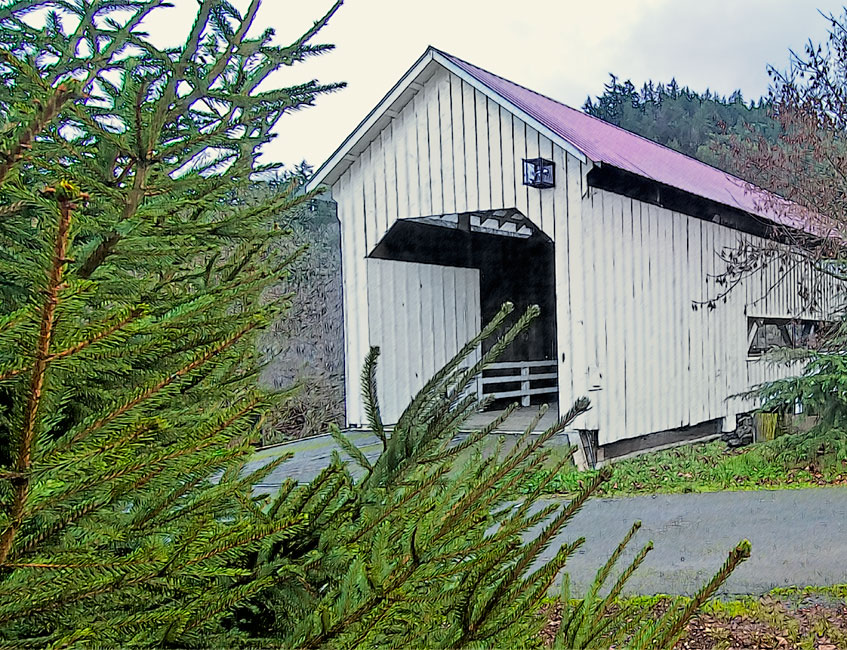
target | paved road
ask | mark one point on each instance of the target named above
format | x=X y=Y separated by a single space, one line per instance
x=799 y=537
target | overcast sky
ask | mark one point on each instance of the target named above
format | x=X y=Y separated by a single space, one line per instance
x=564 y=49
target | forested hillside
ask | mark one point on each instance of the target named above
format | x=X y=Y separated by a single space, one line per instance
x=306 y=348
x=696 y=124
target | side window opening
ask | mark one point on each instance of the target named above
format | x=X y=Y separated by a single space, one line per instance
x=765 y=334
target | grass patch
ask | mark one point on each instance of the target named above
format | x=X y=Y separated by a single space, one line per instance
x=791 y=461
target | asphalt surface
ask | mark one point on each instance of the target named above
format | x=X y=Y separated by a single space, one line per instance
x=799 y=537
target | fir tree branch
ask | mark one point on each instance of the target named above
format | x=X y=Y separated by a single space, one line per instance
x=675 y=624
x=23 y=455
x=371 y=398
x=11 y=209
x=146 y=394
x=47 y=112
x=134 y=314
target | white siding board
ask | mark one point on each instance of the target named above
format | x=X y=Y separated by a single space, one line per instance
x=359 y=238
x=471 y=162
x=365 y=171
x=419 y=103
x=701 y=384
x=391 y=213
x=561 y=264
x=429 y=282
x=350 y=306
x=643 y=357
x=445 y=129
x=380 y=202
x=631 y=340
x=668 y=378
x=495 y=160
x=379 y=330
x=414 y=345
x=576 y=247
x=434 y=155
x=547 y=196
x=459 y=145
x=462 y=304
x=507 y=153
x=601 y=224
x=681 y=309
x=414 y=182
x=392 y=339
x=519 y=147
x=534 y=206
x=483 y=162
x=616 y=418
x=401 y=162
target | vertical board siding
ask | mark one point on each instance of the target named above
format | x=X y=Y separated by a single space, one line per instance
x=359 y=239
x=415 y=182
x=534 y=195
x=571 y=257
x=519 y=130
x=561 y=263
x=380 y=205
x=401 y=163
x=349 y=304
x=664 y=364
x=420 y=315
x=548 y=198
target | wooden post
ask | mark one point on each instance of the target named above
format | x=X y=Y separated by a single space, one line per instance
x=525 y=385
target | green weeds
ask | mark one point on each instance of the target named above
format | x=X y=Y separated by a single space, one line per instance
x=792 y=461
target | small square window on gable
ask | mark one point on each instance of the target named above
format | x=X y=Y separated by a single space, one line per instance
x=539 y=172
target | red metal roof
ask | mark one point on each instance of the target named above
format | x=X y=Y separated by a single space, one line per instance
x=609 y=144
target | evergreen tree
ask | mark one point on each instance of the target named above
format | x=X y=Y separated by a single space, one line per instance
x=699 y=125
x=133 y=277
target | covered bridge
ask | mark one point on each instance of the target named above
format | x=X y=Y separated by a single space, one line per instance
x=462 y=190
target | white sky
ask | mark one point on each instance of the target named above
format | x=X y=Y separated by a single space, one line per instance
x=564 y=49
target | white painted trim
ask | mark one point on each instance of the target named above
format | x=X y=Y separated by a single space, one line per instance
x=385 y=108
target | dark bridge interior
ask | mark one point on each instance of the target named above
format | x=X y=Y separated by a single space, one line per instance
x=512 y=268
